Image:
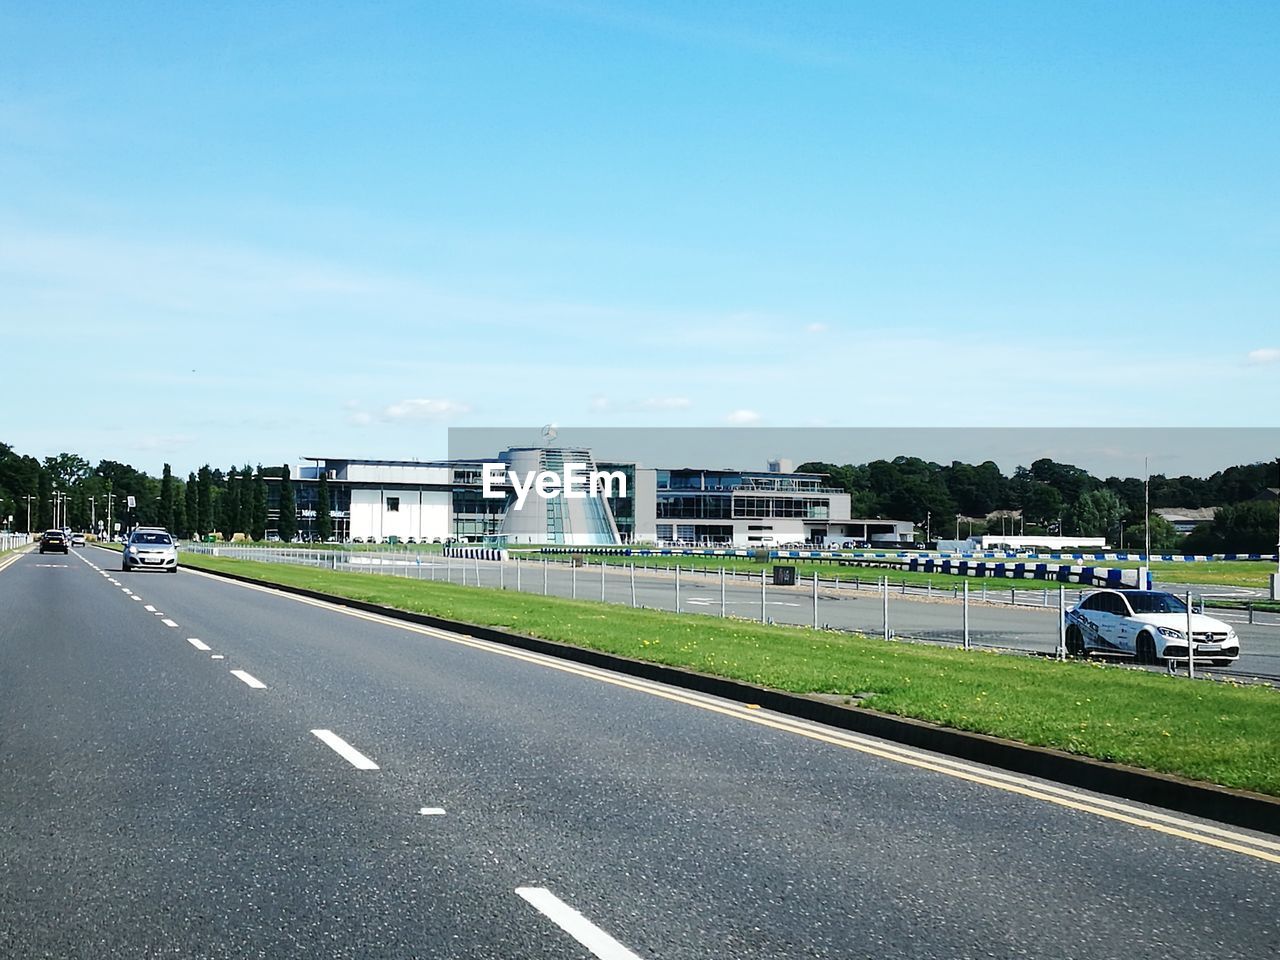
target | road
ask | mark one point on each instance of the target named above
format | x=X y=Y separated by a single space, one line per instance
x=912 y=614
x=191 y=767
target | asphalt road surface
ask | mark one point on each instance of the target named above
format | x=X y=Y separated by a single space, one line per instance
x=194 y=768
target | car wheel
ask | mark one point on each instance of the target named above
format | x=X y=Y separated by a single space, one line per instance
x=1146 y=647
x=1075 y=644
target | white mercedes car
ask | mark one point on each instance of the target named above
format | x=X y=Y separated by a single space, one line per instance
x=1148 y=625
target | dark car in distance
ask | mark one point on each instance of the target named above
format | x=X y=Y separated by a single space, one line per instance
x=54 y=540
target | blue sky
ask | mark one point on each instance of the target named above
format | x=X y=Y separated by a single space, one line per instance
x=264 y=231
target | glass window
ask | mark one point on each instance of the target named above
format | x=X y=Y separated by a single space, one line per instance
x=393 y=504
x=1143 y=602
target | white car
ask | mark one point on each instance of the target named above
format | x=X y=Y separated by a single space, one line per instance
x=150 y=548
x=1148 y=625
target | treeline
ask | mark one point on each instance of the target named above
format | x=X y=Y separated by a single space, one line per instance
x=1054 y=498
x=97 y=499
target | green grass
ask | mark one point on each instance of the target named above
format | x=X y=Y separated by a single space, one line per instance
x=1225 y=573
x=1217 y=732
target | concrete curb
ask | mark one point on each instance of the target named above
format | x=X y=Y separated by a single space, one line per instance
x=1240 y=808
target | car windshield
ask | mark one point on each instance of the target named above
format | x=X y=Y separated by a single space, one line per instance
x=1155 y=603
x=162 y=538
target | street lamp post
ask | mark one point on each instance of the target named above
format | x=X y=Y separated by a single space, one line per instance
x=29 y=497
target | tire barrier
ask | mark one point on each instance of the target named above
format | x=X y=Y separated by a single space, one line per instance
x=1113 y=577
x=905 y=556
x=475 y=553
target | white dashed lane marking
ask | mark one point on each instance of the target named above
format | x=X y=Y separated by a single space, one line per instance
x=197 y=644
x=345 y=750
x=168 y=623
x=249 y=679
x=575 y=924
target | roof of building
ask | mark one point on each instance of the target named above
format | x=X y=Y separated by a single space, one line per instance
x=1186 y=513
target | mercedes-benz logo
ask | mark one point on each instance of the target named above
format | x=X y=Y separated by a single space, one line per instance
x=548 y=433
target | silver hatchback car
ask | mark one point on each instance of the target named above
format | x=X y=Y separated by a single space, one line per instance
x=150 y=548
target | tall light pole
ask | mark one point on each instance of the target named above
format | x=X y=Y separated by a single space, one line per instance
x=29 y=497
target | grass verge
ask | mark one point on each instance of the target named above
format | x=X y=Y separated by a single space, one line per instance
x=1217 y=732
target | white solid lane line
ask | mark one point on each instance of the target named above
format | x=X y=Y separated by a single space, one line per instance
x=168 y=623
x=345 y=750
x=575 y=924
x=197 y=644
x=249 y=679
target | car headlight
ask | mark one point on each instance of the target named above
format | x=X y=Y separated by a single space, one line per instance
x=130 y=549
x=1172 y=634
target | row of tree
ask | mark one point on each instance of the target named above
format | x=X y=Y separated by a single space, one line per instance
x=67 y=490
x=1051 y=497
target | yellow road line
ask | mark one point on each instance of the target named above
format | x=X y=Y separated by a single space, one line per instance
x=1207 y=834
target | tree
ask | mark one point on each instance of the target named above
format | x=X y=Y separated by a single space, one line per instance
x=1248 y=527
x=44 y=502
x=230 y=515
x=179 y=527
x=324 y=522
x=192 y=528
x=1098 y=513
x=204 y=515
x=1164 y=538
x=1041 y=503
x=258 y=524
x=244 y=516
x=166 y=498
x=287 y=526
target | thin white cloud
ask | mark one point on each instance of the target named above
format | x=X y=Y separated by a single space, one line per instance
x=816 y=328
x=425 y=410
x=599 y=404
x=666 y=403
x=416 y=410
x=743 y=418
x=1264 y=355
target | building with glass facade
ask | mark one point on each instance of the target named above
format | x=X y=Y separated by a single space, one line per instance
x=444 y=500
